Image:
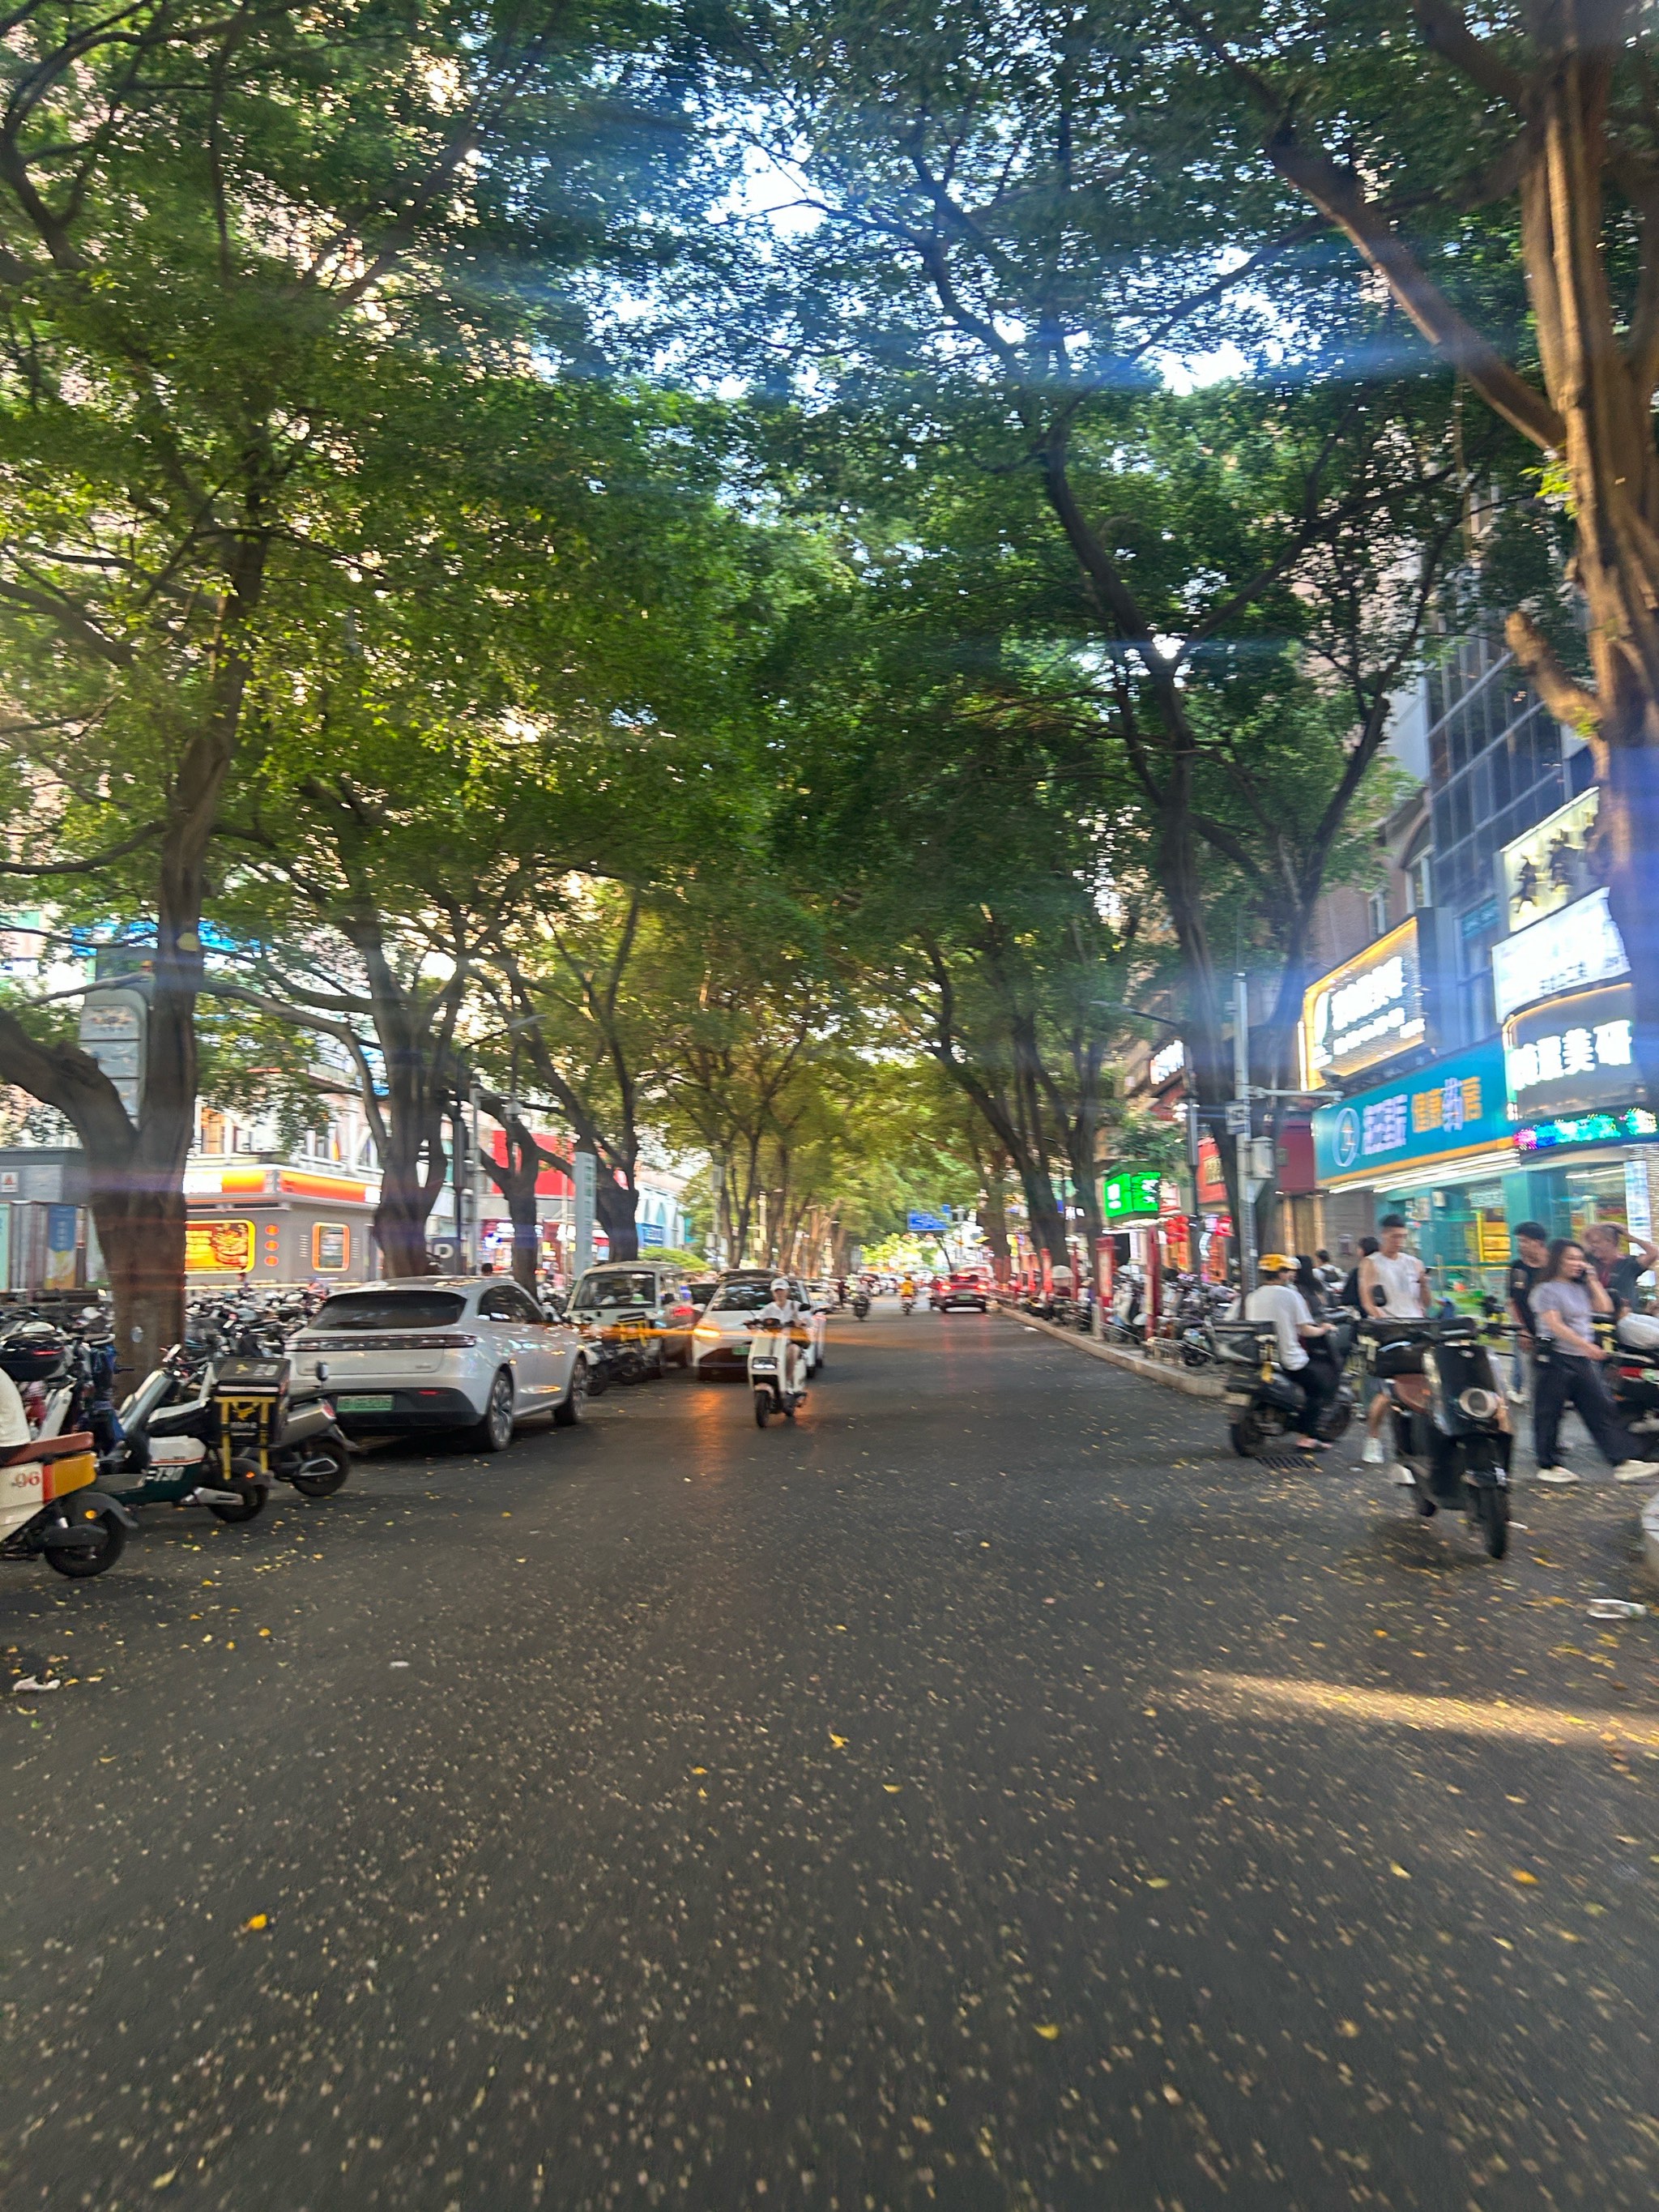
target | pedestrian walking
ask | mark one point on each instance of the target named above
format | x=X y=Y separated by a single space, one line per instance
x=1532 y=1252
x=1564 y=1303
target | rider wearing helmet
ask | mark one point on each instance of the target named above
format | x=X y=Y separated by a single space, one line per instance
x=783 y=1309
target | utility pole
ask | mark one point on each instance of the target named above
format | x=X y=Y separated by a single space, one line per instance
x=475 y=1239
x=1241 y=1137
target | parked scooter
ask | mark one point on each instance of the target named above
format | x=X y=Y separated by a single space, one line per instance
x=52 y=1509
x=1632 y=1373
x=773 y=1376
x=1447 y=1418
x=218 y=1433
x=1264 y=1404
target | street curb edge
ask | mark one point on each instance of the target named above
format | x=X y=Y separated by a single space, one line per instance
x=1149 y=1370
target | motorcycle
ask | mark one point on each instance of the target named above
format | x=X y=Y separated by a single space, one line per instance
x=861 y=1305
x=1632 y=1371
x=219 y=1432
x=1124 y=1323
x=906 y=1306
x=768 y=1345
x=1447 y=1415
x=1264 y=1404
x=50 y=1507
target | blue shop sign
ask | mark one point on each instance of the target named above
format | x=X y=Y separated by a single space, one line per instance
x=1455 y=1107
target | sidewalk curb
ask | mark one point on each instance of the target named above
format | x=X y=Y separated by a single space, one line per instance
x=1151 y=1370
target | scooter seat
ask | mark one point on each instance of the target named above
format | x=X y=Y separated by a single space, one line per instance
x=41 y=1449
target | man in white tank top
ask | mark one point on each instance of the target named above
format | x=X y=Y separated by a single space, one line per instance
x=1395 y=1284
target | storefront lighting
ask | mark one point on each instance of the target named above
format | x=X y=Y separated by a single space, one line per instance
x=1587 y=1129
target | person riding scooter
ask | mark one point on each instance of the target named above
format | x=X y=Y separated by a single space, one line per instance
x=1276 y=1299
x=796 y=1334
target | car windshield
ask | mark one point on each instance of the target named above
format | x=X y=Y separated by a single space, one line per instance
x=743 y=1297
x=390 y=1309
x=597 y=1293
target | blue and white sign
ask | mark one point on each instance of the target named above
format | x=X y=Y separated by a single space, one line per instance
x=926 y=1224
x=1456 y=1106
x=1571 y=949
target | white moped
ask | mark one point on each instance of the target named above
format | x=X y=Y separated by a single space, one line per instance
x=49 y=1508
x=776 y=1358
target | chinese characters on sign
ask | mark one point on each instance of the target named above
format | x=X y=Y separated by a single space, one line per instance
x=1578 y=945
x=1574 y=1052
x=1454 y=1108
x=1366 y=1011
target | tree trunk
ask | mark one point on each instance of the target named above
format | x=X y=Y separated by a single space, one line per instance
x=617 y=1204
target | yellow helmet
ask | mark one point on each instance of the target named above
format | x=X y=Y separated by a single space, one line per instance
x=1275 y=1263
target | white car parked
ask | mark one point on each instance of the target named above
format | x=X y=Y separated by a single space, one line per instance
x=443 y=1351
x=720 y=1341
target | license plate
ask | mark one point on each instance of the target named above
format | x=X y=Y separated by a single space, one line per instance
x=365 y=1405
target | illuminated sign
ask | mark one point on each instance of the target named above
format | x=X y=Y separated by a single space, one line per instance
x=1572 y=1056
x=330 y=1247
x=1553 y=866
x=1588 y=1129
x=1168 y=1060
x=218 y=1247
x=1365 y=1011
x=1134 y=1193
x=1454 y=1107
x=1567 y=950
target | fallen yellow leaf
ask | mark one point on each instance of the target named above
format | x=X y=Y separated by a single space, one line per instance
x=1048 y=2034
x=1394 y=1866
x=1527 y=1880
x=1348 y=2027
x=892 y=1788
x=1158 y=1881
x=840 y=1741
x=700 y=1770
x=259 y=1920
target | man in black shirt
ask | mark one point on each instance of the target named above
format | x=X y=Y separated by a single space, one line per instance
x=1532 y=1242
x=1350 y=1287
x=1619 y=1271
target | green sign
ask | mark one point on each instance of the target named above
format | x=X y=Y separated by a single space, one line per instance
x=1131 y=1193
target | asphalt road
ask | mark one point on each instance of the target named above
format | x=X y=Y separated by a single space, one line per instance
x=988 y=1794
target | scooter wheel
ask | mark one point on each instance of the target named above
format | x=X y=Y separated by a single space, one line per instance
x=763 y=1408
x=247 y=1505
x=318 y=1484
x=1246 y=1436
x=82 y=1566
x=1492 y=1509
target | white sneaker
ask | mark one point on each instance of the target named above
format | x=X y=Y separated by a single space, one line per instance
x=1373 y=1455
x=1401 y=1475
x=1634 y=1470
x=1558 y=1478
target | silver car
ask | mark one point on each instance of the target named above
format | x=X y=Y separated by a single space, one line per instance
x=443 y=1353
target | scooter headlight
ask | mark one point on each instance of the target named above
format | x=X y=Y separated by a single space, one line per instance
x=1481 y=1405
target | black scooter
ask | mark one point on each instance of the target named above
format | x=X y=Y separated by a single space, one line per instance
x=1446 y=1412
x=1264 y=1404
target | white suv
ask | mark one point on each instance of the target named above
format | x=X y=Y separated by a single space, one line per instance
x=438 y=1351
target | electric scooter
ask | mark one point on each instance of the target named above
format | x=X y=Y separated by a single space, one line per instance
x=51 y=1509
x=772 y=1373
x=1446 y=1413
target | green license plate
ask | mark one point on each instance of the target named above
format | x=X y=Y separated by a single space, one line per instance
x=365 y=1405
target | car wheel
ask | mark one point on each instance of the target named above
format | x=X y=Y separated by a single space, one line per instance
x=493 y=1432
x=573 y=1404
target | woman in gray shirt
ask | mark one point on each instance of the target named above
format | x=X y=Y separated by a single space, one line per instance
x=1565 y=1304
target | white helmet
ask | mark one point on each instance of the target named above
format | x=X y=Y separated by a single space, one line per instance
x=780 y=1287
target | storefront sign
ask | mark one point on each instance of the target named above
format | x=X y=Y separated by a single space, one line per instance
x=1211 y=1177
x=1572 y=1056
x=1554 y=865
x=63 y=1230
x=1365 y=1012
x=218 y=1247
x=330 y=1247
x=1586 y=1129
x=1639 y=1200
x=1565 y=952
x=1449 y=1110
x=1130 y=1195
